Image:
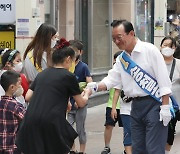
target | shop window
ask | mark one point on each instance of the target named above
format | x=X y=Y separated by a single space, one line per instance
x=144 y=19
x=173 y=17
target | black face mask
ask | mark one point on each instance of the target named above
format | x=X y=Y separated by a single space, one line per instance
x=77 y=57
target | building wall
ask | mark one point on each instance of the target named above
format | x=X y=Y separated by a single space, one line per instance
x=122 y=9
x=160 y=15
x=100 y=36
x=62 y=18
x=24 y=10
x=66 y=18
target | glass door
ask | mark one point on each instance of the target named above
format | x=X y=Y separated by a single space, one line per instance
x=100 y=35
x=51 y=12
x=93 y=28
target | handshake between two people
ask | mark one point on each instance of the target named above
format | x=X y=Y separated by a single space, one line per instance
x=96 y=86
x=90 y=88
x=86 y=91
x=93 y=86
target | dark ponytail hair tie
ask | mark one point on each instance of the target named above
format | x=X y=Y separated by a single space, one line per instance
x=62 y=43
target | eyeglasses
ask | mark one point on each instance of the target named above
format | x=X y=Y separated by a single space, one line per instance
x=119 y=37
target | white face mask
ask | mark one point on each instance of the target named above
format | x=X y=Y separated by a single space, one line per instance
x=167 y=51
x=18 y=67
x=19 y=91
x=53 y=43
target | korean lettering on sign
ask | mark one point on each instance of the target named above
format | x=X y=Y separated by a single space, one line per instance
x=5 y=6
x=7 y=39
x=7 y=12
x=5 y=44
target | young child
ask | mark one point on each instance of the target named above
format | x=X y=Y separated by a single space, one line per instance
x=125 y=110
x=45 y=128
x=78 y=114
x=11 y=112
x=11 y=60
x=110 y=123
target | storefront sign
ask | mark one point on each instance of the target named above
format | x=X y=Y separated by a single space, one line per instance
x=7 y=12
x=7 y=39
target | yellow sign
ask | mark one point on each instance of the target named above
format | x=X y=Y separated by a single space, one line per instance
x=7 y=39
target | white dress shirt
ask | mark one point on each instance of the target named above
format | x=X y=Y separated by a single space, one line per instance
x=149 y=58
x=125 y=108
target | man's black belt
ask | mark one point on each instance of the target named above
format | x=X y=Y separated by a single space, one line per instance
x=140 y=98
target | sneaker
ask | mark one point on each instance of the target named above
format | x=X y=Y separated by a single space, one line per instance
x=106 y=150
x=124 y=152
x=73 y=152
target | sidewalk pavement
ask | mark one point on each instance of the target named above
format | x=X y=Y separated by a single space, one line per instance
x=95 y=133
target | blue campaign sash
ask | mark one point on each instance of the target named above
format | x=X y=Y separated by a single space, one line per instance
x=143 y=79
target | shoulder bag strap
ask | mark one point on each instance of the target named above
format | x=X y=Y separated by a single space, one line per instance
x=172 y=69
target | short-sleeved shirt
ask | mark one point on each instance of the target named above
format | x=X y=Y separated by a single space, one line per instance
x=11 y=113
x=149 y=58
x=81 y=71
x=51 y=82
x=45 y=119
x=30 y=70
x=109 y=103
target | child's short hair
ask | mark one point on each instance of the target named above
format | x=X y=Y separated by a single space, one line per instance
x=8 y=78
x=76 y=43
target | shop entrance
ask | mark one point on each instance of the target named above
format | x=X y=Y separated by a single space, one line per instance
x=92 y=26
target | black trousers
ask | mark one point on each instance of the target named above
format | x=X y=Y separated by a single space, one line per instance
x=171 y=131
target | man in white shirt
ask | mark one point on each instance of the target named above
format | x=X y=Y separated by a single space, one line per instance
x=149 y=134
